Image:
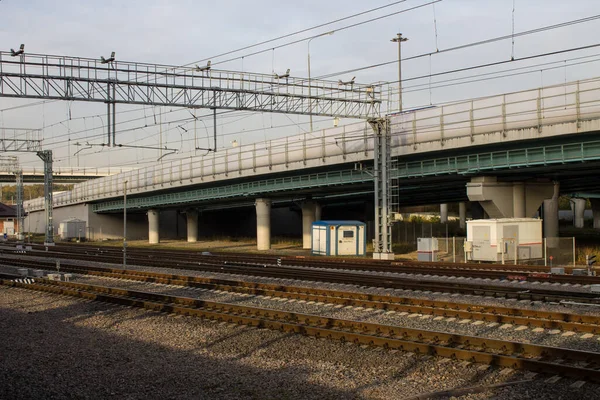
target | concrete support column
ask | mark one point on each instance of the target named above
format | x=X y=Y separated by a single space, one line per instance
x=519 y=200
x=462 y=214
x=153 y=226
x=444 y=213
x=551 y=218
x=578 y=206
x=596 y=212
x=192 y=225
x=263 y=224
x=308 y=217
x=318 y=211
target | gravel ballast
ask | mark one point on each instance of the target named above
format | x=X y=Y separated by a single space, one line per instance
x=56 y=347
x=515 y=333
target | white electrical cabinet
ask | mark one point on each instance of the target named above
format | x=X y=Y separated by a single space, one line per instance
x=72 y=228
x=339 y=238
x=502 y=240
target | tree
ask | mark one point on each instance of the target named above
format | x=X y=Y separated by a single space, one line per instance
x=8 y=193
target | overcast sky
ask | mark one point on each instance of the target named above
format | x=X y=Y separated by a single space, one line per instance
x=179 y=32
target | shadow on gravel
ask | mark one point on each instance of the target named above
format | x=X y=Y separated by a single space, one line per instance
x=36 y=295
x=263 y=346
x=46 y=355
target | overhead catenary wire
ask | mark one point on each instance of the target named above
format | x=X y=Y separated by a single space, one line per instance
x=491 y=64
x=464 y=46
x=285 y=36
x=422 y=129
x=457 y=70
x=430 y=75
x=562 y=62
x=537 y=30
x=512 y=36
x=337 y=30
x=231 y=111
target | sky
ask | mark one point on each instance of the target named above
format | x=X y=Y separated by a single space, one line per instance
x=178 y=32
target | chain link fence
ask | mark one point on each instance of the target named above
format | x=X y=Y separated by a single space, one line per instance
x=450 y=246
x=406 y=233
x=559 y=251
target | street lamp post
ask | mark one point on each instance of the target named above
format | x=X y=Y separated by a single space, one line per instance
x=399 y=39
x=309 y=87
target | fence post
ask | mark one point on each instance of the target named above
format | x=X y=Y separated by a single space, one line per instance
x=502 y=243
x=545 y=254
x=454 y=249
x=574 y=256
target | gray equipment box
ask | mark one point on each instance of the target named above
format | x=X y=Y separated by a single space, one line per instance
x=427 y=249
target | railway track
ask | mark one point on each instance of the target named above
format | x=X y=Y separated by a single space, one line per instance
x=498 y=314
x=481 y=271
x=542 y=359
x=339 y=277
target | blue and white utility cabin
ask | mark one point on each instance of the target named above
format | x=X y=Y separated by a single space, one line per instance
x=339 y=238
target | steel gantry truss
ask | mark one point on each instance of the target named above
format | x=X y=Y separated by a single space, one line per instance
x=28 y=140
x=46 y=156
x=21 y=140
x=83 y=79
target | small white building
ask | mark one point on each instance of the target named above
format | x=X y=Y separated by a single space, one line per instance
x=506 y=239
x=72 y=228
x=339 y=238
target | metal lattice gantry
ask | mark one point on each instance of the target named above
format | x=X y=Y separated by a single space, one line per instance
x=43 y=76
x=46 y=156
x=20 y=140
x=28 y=141
x=382 y=244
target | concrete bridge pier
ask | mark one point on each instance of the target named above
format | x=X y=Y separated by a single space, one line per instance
x=192 y=225
x=462 y=214
x=153 y=226
x=578 y=207
x=508 y=199
x=596 y=212
x=551 y=218
x=263 y=224
x=318 y=211
x=519 y=204
x=309 y=210
x=444 y=213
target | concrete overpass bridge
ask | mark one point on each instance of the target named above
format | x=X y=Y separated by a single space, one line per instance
x=62 y=174
x=509 y=153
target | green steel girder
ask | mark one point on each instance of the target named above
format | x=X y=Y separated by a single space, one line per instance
x=240 y=190
x=463 y=165
x=487 y=162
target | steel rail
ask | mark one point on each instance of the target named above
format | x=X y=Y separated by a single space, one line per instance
x=355 y=279
x=498 y=314
x=413 y=268
x=340 y=263
x=543 y=359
